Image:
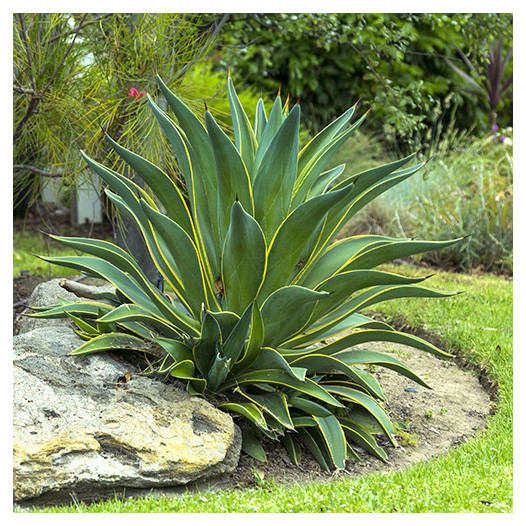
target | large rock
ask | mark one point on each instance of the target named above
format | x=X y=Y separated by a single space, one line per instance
x=80 y=427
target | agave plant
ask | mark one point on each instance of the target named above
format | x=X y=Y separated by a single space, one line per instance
x=262 y=307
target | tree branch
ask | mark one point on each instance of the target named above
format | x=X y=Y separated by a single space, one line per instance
x=36 y=170
x=68 y=51
x=213 y=36
x=36 y=97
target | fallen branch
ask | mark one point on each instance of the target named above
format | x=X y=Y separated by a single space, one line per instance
x=80 y=290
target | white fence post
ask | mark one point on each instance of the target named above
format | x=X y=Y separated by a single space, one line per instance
x=87 y=206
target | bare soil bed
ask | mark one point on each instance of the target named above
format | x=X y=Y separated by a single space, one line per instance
x=429 y=422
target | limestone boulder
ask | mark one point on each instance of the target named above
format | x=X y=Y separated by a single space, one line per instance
x=89 y=425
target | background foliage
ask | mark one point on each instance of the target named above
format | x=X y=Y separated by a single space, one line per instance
x=394 y=62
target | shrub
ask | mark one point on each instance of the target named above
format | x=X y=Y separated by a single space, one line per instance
x=265 y=310
x=466 y=189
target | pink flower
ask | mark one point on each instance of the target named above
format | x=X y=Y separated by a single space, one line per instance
x=133 y=92
x=142 y=93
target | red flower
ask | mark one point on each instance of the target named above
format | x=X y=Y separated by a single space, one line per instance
x=135 y=94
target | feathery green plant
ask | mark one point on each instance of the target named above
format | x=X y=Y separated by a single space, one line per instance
x=265 y=310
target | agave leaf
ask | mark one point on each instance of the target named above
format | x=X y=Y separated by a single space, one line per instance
x=287 y=311
x=251 y=445
x=367 y=178
x=274 y=122
x=201 y=182
x=334 y=437
x=382 y=254
x=105 y=250
x=370 y=297
x=315 y=446
x=377 y=358
x=226 y=320
x=247 y=409
x=340 y=215
x=87 y=309
x=275 y=404
x=272 y=359
x=244 y=260
x=274 y=180
x=311 y=151
x=293 y=243
x=362 y=399
x=87 y=328
x=125 y=188
x=127 y=198
x=354 y=321
x=147 y=297
x=361 y=437
x=336 y=256
x=255 y=341
x=176 y=349
x=344 y=285
x=243 y=133
x=191 y=125
x=159 y=253
x=324 y=180
x=276 y=376
x=235 y=342
x=219 y=368
x=304 y=421
x=189 y=269
x=308 y=175
x=233 y=180
x=260 y=120
x=196 y=386
x=372 y=335
x=319 y=363
x=292 y=447
x=329 y=427
x=161 y=184
x=130 y=312
x=112 y=342
x=204 y=351
x=184 y=370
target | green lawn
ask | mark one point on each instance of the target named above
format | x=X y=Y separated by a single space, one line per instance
x=25 y=244
x=476 y=477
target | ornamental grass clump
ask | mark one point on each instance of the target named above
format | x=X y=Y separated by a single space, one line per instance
x=262 y=313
